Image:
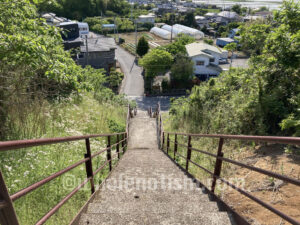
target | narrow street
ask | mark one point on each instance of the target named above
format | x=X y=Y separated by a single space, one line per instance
x=133 y=84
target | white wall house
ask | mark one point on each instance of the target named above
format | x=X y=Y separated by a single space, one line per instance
x=206 y=59
x=202 y=21
x=150 y=18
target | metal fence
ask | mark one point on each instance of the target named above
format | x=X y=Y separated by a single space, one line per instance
x=7 y=212
x=164 y=142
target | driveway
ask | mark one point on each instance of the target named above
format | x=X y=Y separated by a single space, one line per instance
x=133 y=84
x=236 y=63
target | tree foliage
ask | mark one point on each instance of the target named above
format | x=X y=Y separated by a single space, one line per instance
x=263 y=99
x=34 y=66
x=79 y=9
x=178 y=47
x=156 y=61
x=142 y=47
x=182 y=71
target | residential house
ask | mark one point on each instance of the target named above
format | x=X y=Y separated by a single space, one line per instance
x=210 y=15
x=206 y=59
x=264 y=14
x=150 y=18
x=53 y=20
x=98 y=53
x=229 y=16
x=221 y=42
x=201 y=21
x=252 y=18
x=233 y=33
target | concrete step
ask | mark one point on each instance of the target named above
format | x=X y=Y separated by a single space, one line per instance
x=157 y=196
x=146 y=218
x=152 y=207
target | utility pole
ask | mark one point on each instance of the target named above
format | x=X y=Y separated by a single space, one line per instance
x=87 y=50
x=172 y=23
x=136 y=34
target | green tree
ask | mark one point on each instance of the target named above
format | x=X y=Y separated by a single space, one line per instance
x=115 y=79
x=178 y=47
x=142 y=47
x=263 y=99
x=182 y=71
x=231 y=48
x=189 y=19
x=253 y=36
x=237 y=8
x=155 y=62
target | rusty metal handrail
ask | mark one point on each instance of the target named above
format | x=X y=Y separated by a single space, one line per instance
x=270 y=139
x=14 y=145
x=220 y=158
x=38 y=184
x=9 y=216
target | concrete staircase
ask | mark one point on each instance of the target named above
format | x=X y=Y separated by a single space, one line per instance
x=148 y=188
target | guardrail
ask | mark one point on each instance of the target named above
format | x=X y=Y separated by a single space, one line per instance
x=164 y=139
x=7 y=213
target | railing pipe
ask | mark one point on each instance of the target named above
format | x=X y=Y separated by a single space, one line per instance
x=189 y=153
x=88 y=164
x=218 y=164
x=118 y=146
x=163 y=141
x=175 y=146
x=7 y=213
x=168 y=143
x=109 y=152
x=123 y=143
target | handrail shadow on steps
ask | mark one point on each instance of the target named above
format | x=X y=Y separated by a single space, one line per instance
x=164 y=139
x=7 y=213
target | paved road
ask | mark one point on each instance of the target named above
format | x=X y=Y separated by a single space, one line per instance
x=145 y=102
x=133 y=84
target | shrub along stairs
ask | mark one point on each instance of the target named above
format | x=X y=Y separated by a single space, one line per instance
x=148 y=188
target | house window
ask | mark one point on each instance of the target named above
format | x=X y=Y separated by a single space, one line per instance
x=200 y=63
x=212 y=60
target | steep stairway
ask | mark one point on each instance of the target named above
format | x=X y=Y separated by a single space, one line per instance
x=148 y=188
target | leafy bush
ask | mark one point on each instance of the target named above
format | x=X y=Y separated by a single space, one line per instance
x=263 y=99
x=142 y=47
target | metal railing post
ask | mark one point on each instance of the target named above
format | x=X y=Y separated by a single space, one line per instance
x=123 y=143
x=175 y=146
x=163 y=141
x=168 y=143
x=160 y=131
x=109 y=153
x=189 y=153
x=218 y=165
x=89 y=165
x=7 y=212
x=118 y=146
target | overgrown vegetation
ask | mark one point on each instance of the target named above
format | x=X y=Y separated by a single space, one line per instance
x=172 y=56
x=79 y=9
x=43 y=93
x=263 y=99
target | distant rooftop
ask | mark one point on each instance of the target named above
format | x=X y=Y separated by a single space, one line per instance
x=100 y=44
x=228 y=14
x=195 y=49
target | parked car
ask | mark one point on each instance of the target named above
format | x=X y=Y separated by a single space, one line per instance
x=223 y=61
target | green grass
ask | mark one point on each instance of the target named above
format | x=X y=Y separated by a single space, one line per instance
x=23 y=167
x=230 y=149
